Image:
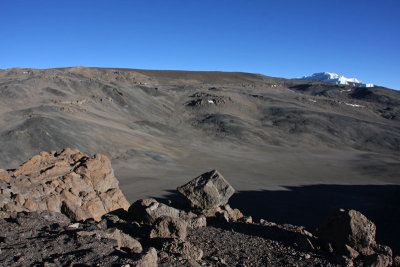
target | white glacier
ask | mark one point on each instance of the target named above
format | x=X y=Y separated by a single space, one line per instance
x=335 y=79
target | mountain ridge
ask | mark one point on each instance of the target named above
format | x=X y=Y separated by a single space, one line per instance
x=158 y=127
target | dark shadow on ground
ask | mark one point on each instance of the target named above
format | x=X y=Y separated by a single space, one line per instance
x=309 y=205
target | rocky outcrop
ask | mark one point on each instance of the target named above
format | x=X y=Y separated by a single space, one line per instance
x=207 y=191
x=71 y=182
x=351 y=234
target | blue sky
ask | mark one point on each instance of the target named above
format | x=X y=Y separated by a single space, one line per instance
x=276 y=38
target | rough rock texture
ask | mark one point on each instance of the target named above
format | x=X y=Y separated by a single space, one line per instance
x=79 y=186
x=169 y=227
x=184 y=249
x=148 y=210
x=149 y=259
x=44 y=238
x=232 y=214
x=124 y=241
x=207 y=191
x=396 y=261
x=347 y=227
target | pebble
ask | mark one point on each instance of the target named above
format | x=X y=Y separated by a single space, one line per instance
x=74 y=226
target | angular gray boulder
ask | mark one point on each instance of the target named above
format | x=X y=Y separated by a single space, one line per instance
x=207 y=191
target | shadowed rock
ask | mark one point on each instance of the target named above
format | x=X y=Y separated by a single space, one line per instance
x=350 y=228
x=148 y=210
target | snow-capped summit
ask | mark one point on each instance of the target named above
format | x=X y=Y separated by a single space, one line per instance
x=336 y=79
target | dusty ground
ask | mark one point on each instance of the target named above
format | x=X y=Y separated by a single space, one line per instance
x=293 y=149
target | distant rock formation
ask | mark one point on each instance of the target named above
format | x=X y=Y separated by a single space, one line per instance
x=71 y=182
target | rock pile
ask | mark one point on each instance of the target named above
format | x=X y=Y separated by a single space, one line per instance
x=71 y=182
x=97 y=227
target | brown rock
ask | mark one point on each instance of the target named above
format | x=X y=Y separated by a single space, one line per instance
x=348 y=227
x=378 y=260
x=350 y=252
x=114 y=199
x=197 y=222
x=30 y=205
x=19 y=199
x=169 y=227
x=4 y=176
x=53 y=203
x=75 y=213
x=99 y=172
x=130 y=244
x=12 y=207
x=147 y=259
x=232 y=215
x=69 y=182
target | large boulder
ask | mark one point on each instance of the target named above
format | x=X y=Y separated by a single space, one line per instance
x=71 y=182
x=344 y=229
x=207 y=191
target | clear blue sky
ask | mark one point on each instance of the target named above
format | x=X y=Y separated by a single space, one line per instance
x=354 y=38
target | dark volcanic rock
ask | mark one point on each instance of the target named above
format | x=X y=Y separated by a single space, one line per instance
x=207 y=191
x=347 y=227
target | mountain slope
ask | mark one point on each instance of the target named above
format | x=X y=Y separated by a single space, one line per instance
x=160 y=126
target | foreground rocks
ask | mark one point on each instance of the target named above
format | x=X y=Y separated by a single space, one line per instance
x=47 y=219
x=71 y=182
x=44 y=238
x=350 y=234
